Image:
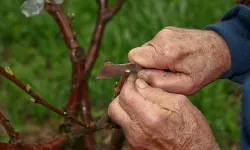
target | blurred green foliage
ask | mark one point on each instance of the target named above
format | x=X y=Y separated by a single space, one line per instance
x=34 y=50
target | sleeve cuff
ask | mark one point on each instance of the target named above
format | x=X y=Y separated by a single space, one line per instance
x=234 y=29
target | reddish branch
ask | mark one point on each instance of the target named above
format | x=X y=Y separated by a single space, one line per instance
x=53 y=144
x=244 y=2
x=104 y=15
x=85 y=110
x=82 y=68
x=119 y=85
x=79 y=84
x=63 y=22
x=76 y=53
x=14 y=136
x=37 y=99
x=60 y=141
x=117 y=137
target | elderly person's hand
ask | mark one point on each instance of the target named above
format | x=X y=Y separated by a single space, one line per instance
x=154 y=119
x=194 y=58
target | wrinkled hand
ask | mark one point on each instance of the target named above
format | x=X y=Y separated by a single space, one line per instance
x=195 y=58
x=153 y=119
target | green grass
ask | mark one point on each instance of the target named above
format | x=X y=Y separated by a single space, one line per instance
x=34 y=50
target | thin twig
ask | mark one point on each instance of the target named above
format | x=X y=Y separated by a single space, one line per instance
x=86 y=116
x=120 y=84
x=37 y=99
x=117 y=137
x=14 y=136
x=60 y=141
x=69 y=36
x=76 y=52
x=77 y=55
x=96 y=39
x=91 y=58
x=104 y=15
x=111 y=11
x=79 y=84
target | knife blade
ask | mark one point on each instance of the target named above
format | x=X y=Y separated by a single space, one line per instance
x=111 y=70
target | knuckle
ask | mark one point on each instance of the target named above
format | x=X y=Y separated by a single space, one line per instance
x=156 y=121
x=182 y=100
x=155 y=81
x=111 y=109
x=126 y=96
x=125 y=91
x=155 y=50
x=167 y=31
x=190 y=87
x=171 y=52
x=171 y=28
x=131 y=54
x=153 y=122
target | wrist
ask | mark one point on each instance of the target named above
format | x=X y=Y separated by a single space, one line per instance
x=223 y=50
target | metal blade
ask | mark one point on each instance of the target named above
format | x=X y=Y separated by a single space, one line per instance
x=111 y=70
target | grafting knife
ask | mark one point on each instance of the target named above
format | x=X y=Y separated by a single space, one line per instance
x=111 y=70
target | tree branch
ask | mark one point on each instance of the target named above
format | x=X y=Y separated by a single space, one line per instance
x=52 y=144
x=76 y=53
x=14 y=136
x=104 y=15
x=110 y=12
x=97 y=35
x=93 y=50
x=63 y=22
x=79 y=84
x=37 y=99
x=61 y=141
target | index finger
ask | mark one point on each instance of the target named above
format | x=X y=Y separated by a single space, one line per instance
x=148 y=56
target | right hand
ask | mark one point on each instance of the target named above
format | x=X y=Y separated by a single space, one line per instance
x=153 y=119
x=195 y=58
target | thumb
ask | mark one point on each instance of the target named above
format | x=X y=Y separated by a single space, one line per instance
x=148 y=57
x=156 y=95
x=168 y=81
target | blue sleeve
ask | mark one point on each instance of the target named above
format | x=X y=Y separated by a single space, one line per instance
x=235 y=30
x=245 y=116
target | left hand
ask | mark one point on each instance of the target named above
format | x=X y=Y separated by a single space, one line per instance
x=153 y=119
x=194 y=58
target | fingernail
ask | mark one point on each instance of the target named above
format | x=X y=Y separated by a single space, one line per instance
x=141 y=83
x=142 y=76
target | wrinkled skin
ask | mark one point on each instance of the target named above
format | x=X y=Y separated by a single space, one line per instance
x=194 y=58
x=153 y=119
x=150 y=114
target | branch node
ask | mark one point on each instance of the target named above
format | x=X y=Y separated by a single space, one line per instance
x=9 y=71
x=71 y=16
x=28 y=88
x=33 y=100
x=127 y=71
x=48 y=1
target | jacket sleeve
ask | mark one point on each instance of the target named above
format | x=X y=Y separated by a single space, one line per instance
x=235 y=29
x=245 y=116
